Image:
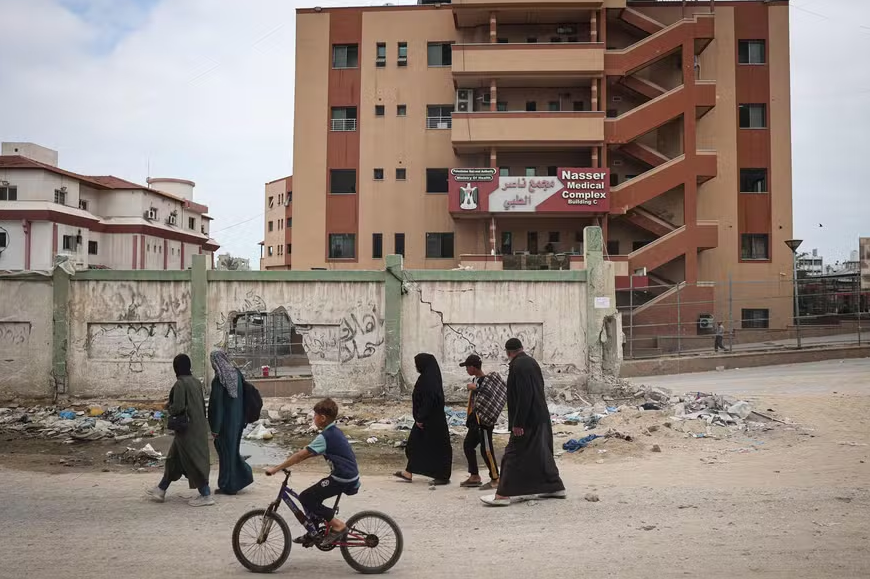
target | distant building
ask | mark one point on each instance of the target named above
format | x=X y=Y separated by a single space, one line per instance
x=97 y=221
x=227 y=262
x=278 y=225
x=811 y=263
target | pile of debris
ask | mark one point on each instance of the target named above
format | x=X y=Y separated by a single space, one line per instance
x=91 y=423
x=142 y=457
x=718 y=414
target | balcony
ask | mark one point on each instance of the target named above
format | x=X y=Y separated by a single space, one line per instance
x=474 y=64
x=527 y=130
x=343 y=125
x=439 y=123
x=476 y=12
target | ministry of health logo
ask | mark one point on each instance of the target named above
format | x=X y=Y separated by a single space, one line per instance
x=468 y=195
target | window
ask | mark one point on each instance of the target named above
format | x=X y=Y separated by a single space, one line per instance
x=530 y=171
x=506 y=243
x=436 y=180
x=280 y=224
x=439 y=116
x=531 y=106
x=60 y=197
x=577 y=105
x=342 y=181
x=269 y=251
x=403 y=54
x=271 y=226
x=501 y=106
x=439 y=245
x=379 y=110
x=345 y=56
x=191 y=223
x=753 y=180
x=377 y=245
x=83 y=204
x=755 y=319
x=93 y=248
x=504 y=171
x=754 y=246
x=281 y=199
x=341 y=119
x=289 y=248
x=552 y=171
x=553 y=106
x=271 y=202
x=69 y=242
x=399 y=244
x=439 y=54
x=401 y=110
x=342 y=246
x=8 y=193
x=381 y=55
x=280 y=249
x=379 y=174
x=401 y=174
x=613 y=248
x=751 y=52
x=289 y=223
x=4 y=240
x=554 y=237
x=753 y=116
x=289 y=197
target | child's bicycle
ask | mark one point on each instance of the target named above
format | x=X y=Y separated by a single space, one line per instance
x=373 y=543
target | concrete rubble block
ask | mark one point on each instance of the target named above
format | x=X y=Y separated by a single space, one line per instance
x=274 y=415
x=662 y=395
x=742 y=409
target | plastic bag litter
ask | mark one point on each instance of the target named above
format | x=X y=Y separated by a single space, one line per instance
x=260 y=432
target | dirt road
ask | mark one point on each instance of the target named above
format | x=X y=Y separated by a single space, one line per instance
x=794 y=504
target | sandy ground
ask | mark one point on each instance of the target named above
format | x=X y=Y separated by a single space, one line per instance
x=789 y=502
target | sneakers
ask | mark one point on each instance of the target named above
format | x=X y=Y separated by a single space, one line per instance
x=157 y=494
x=492 y=501
x=201 y=501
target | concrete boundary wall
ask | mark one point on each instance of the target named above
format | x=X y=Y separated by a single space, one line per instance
x=107 y=333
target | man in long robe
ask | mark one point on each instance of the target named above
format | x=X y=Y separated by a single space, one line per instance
x=528 y=467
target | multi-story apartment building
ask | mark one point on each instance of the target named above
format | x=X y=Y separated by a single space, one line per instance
x=97 y=221
x=490 y=133
x=277 y=242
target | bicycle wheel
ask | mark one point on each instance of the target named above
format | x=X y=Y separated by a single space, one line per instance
x=373 y=543
x=261 y=556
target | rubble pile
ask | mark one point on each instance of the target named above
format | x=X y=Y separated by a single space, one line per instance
x=92 y=423
x=142 y=457
x=716 y=415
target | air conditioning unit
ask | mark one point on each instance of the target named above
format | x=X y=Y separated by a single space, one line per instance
x=485 y=99
x=464 y=100
x=641 y=271
x=706 y=322
x=566 y=29
x=381 y=61
x=151 y=214
x=172 y=220
x=403 y=61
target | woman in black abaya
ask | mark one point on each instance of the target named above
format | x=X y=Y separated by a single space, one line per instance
x=429 y=452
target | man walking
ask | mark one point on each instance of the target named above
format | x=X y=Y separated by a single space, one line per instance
x=528 y=469
x=486 y=399
x=720 y=337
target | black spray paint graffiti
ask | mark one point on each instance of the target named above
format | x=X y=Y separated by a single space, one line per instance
x=133 y=344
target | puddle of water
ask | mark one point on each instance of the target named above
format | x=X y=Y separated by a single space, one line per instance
x=264 y=453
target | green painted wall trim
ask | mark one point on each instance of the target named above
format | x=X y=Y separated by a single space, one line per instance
x=26 y=276
x=297 y=276
x=519 y=275
x=393 y=314
x=131 y=275
x=60 y=327
x=198 y=316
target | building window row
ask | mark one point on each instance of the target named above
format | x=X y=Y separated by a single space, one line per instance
x=401 y=174
x=751 y=52
x=343 y=181
x=753 y=116
x=439 y=245
x=755 y=247
x=9 y=193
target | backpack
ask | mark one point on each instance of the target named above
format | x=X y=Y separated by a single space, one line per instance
x=253 y=402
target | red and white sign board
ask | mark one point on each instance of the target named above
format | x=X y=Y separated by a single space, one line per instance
x=570 y=190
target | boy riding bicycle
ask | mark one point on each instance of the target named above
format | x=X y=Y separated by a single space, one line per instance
x=332 y=444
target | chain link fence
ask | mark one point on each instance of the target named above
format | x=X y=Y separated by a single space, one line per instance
x=265 y=343
x=684 y=319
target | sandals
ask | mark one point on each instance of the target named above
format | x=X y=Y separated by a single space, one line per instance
x=470 y=484
x=398 y=474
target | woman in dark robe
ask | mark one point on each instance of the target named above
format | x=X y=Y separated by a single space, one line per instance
x=188 y=455
x=429 y=452
x=226 y=415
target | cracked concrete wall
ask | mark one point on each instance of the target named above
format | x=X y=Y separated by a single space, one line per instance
x=123 y=336
x=452 y=319
x=341 y=323
x=25 y=337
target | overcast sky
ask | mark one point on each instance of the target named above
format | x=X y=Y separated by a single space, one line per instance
x=203 y=90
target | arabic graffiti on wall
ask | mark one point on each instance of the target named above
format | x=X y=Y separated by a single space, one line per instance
x=133 y=343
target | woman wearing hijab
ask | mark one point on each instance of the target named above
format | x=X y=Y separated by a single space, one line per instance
x=429 y=452
x=188 y=455
x=226 y=415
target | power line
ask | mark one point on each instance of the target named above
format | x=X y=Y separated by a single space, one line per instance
x=239 y=223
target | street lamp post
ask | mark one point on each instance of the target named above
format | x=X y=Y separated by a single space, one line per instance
x=793 y=245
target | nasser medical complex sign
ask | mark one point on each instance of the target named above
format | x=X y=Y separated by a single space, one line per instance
x=568 y=191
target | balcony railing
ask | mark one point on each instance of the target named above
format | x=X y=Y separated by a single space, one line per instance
x=439 y=122
x=343 y=125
